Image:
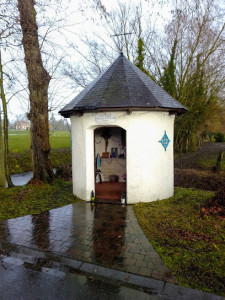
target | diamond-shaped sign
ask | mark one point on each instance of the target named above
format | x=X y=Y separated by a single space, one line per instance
x=165 y=141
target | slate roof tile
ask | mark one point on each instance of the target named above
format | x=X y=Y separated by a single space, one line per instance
x=122 y=85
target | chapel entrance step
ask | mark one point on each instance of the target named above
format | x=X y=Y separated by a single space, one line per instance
x=109 y=192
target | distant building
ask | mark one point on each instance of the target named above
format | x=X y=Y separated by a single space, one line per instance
x=22 y=125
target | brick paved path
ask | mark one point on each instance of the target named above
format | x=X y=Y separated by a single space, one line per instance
x=103 y=234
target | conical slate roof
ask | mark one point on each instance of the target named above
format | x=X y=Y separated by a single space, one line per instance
x=122 y=86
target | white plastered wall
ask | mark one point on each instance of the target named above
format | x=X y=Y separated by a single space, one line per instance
x=150 y=171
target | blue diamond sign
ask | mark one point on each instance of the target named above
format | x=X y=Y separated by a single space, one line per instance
x=165 y=141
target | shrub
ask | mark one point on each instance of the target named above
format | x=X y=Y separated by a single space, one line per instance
x=205 y=180
x=215 y=205
x=64 y=172
x=219 y=137
x=219 y=198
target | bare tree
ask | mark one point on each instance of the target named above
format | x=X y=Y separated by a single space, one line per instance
x=120 y=31
x=6 y=25
x=2 y=167
x=15 y=79
x=186 y=57
x=6 y=144
x=195 y=70
x=38 y=79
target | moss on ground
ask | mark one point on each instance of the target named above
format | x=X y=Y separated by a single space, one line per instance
x=35 y=198
x=190 y=244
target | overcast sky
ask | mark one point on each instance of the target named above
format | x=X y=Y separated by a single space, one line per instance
x=76 y=24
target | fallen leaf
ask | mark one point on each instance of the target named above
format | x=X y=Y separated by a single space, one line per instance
x=216 y=247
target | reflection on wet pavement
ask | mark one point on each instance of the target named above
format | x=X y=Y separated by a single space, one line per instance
x=103 y=234
x=47 y=277
x=108 y=234
x=41 y=230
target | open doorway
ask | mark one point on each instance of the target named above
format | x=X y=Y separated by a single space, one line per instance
x=110 y=164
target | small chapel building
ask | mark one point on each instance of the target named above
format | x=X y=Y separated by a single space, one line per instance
x=122 y=127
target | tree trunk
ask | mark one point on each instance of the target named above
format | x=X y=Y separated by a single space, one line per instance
x=2 y=168
x=38 y=79
x=5 y=128
x=217 y=167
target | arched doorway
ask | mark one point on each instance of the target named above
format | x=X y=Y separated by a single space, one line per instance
x=110 y=164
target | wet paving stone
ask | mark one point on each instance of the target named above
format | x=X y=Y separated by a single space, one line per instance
x=103 y=234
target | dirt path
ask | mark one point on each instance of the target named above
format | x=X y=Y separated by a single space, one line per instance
x=190 y=160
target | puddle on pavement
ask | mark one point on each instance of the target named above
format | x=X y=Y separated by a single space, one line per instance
x=101 y=234
x=93 y=233
x=108 y=233
x=95 y=229
x=41 y=278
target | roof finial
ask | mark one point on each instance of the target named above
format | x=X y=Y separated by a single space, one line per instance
x=121 y=34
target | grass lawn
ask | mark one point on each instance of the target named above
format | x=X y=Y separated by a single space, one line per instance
x=34 y=199
x=192 y=246
x=20 y=153
x=19 y=140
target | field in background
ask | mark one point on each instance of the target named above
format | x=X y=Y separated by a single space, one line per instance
x=20 y=153
x=19 y=140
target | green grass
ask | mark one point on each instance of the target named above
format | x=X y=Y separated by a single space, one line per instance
x=19 y=140
x=34 y=199
x=192 y=246
x=60 y=139
x=20 y=153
